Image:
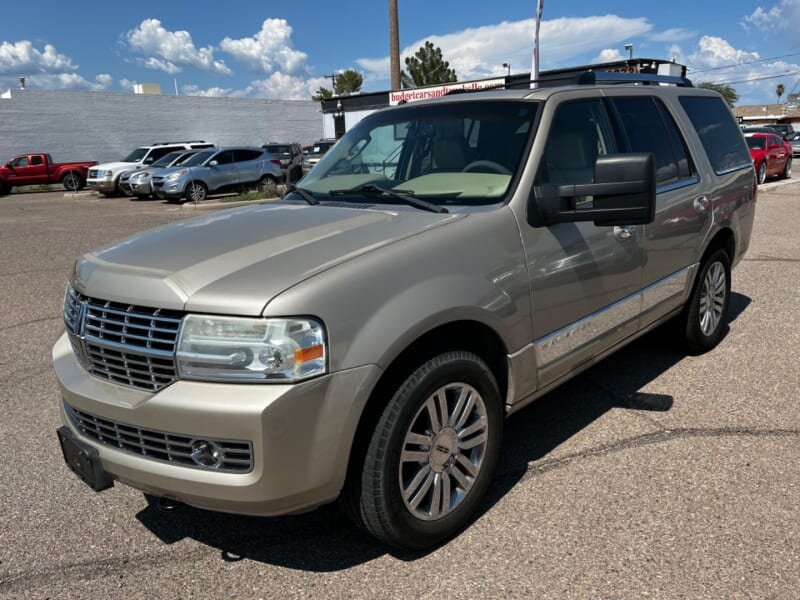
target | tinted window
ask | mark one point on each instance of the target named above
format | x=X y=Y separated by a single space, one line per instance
x=157 y=153
x=756 y=143
x=167 y=159
x=224 y=158
x=242 y=155
x=22 y=161
x=136 y=155
x=579 y=134
x=279 y=149
x=718 y=133
x=199 y=158
x=36 y=160
x=650 y=128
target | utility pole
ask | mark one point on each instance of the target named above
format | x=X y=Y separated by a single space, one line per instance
x=394 y=45
x=332 y=77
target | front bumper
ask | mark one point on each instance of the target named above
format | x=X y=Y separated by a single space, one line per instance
x=169 y=189
x=301 y=435
x=101 y=185
x=139 y=188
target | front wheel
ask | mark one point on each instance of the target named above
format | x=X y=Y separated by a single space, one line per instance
x=196 y=191
x=761 y=174
x=706 y=314
x=432 y=455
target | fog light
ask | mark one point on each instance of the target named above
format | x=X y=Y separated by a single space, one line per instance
x=207 y=454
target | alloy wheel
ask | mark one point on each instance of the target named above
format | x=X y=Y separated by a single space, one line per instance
x=443 y=451
x=712 y=298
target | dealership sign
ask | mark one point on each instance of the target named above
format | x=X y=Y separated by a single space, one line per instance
x=426 y=93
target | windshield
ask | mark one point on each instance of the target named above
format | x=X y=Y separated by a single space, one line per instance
x=463 y=152
x=166 y=160
x=199 y=158
x=755 y=143
x=136 y=155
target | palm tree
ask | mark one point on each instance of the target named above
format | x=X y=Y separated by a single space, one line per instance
x=779 y=90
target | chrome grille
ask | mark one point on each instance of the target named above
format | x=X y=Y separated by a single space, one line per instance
x=237 y=455
x=127 y=344
x=93 y=173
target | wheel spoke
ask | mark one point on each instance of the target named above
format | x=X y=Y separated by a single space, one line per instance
x=441 y=399
x=430 y=406
x=445 y=494
x=465 y=411
x=414 y=456
x=467 y=464
x=436 y=501
x=419 y=487
x=461 y=478
x=476 y=426
x=416 y=439
x=472 y=442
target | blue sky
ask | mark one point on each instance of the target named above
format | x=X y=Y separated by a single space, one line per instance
x=257 y=48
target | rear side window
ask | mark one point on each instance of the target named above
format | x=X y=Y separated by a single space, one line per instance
x=718 y=133
x=244 y=155
x=36 y=160
x=650 y=128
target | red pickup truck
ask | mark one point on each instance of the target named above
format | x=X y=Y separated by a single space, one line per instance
x=34 y=169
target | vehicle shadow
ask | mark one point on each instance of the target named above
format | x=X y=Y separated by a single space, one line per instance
x=324 y=540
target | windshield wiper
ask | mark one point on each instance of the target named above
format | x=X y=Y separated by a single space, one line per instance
x=405 y=196
x=305 y=194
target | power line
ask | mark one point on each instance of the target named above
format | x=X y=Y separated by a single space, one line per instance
x=757 y=78
x=751 y=62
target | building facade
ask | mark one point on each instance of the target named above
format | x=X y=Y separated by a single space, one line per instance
x=105 y=126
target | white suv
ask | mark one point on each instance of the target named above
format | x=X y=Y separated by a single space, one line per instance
x=105 y=178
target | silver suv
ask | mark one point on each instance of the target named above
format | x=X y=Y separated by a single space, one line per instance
x=218 y=170
x=138 y=183
x=444 y=265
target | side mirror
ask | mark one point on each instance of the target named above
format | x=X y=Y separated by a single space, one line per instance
x=623 y=193
x=213 y=163
x=148 y=160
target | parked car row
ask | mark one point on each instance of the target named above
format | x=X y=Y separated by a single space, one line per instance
x=39 y=169
x=187 y=170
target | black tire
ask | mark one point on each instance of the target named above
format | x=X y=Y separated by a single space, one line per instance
x=267 y=184
x=141 y=196
x=196 y=191
x=761 y=173
x=705 y=317
x=72 y=182
x=437 y=466
x=4 y=189
x=787 y=170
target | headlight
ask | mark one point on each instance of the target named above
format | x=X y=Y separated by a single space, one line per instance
x=238 y=349
x=109 y=173
x=177 y=175
x=140 y=176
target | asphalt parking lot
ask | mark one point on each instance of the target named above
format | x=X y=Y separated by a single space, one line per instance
x=654 y=474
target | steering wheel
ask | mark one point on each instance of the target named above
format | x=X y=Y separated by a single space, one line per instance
x=487 y=164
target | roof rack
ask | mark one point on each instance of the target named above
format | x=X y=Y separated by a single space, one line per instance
x=613 y=77
x=180 y=142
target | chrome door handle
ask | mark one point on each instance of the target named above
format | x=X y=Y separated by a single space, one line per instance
x=700 y=204
x=625 y=232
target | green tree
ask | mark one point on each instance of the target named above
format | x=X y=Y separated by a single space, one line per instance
x=323 y=93
x=726 y=91
x=427 y=67
x=779 y=91
x=348 y=82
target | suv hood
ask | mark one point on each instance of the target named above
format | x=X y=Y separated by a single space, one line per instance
x=235 y=261
x=115 y=166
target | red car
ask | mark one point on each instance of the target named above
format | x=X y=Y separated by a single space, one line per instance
x=771 y=155
x=34 y=169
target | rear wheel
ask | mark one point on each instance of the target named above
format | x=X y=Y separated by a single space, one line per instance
x=761 y=173
x=705 y=316
x=4 y=189
x=72 y=182
x=267 y=185
x=433 y=452
x=787 y=170
x=196 y=191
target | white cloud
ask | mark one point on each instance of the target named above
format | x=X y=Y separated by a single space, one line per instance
x=783 y=16
x=608 y=55
x=268 y=50
x=479 y=52
x=674 y=34
x=104 y=80
x=717 y=61
x=171 y=51
x=277 y=86
x=22 y=58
